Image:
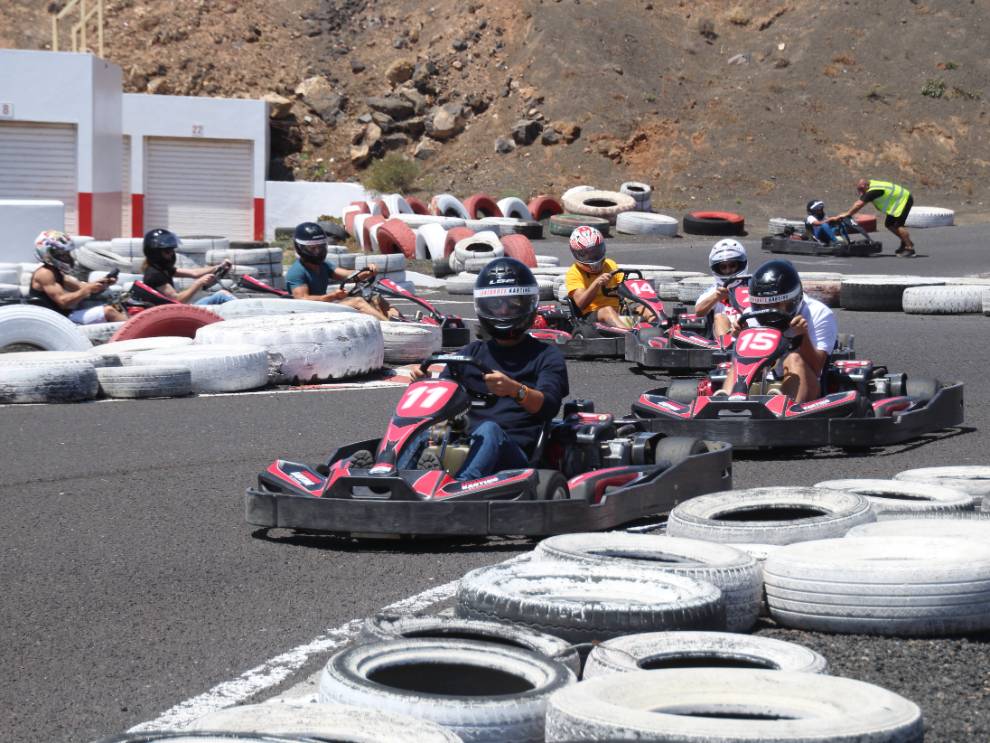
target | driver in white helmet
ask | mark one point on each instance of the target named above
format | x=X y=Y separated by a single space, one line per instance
x=727 y=262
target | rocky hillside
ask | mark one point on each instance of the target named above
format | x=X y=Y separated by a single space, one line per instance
x=744 y=105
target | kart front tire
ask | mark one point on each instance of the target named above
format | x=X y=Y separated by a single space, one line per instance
x=683 y=390
x=551 y=485
x=677 y=449
x=923 y=388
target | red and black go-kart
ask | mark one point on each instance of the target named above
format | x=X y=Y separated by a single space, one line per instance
x=455 y=333
x=589 y=471
x=581 y=337
x=864 y=405
x=852 y=240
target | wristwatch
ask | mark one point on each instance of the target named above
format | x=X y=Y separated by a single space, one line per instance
x=521 y=394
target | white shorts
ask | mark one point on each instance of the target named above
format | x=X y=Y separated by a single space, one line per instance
x=89 y=316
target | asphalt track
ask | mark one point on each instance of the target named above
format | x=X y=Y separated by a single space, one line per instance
x=131 y=581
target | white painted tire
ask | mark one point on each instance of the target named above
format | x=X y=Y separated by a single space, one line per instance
x=575 y=192
x=733 y=572
x=446 y=204
x=887 y=496
x=547 y=288
x=10 y=275
x=358 y=233
x=385 y=263
x=339 y=722
x=985 y=300
x=898 y=586
x=483 y=244
x=547 y=261
x=640 y=192
x=462 y=283
x=133 y=382
x=127 y=247
x=557 y=598
x=259 y=306
x=930 y=216
x=215 y=367
x=978 y=529
x=730 y=705
x=360 y=675
x=396 y=204
x=499 y=225
x=942 y=300
x=880 y=293
x=514 y=207
x=202 y=245
x=434 y=236
x=12 y=291
x=811 y=514
x=475 y=265
x=309 y=347
x=659 y=650
x=245 y=256
x=44 y=329
x=99 y=332
x=121 y=352
x=646 y=223
x=415 y=221
x=605 y=204
x=406 y=343
x=972 y=479
x=778 y=225
x=98 y=256
x=47 y=377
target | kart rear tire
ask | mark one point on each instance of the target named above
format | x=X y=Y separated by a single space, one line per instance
x=551 y=485
x=683 y=390
x=676 y=449
x=923 y=388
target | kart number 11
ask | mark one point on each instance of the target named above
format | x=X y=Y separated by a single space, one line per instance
x=424 y=398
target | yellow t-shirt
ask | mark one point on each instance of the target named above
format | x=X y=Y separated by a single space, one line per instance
x=577 y=279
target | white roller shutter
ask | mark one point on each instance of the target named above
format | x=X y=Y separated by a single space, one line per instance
x=125 y=189
x=199 y=187
x=38 y=161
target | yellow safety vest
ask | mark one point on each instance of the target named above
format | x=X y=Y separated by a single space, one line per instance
x=893 y=199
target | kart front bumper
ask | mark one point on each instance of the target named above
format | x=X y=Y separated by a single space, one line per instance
x=707 y=472
x=944 y=410
x=703 y=359
x=857 y=248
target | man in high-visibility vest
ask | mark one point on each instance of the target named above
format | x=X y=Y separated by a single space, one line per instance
x=894 y=201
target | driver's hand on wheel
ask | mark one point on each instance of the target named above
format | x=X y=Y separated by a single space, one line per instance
x=799 y=325
x=336 y=294
x=373 y=268
x=722 y=294
x=500 y=385
x=602 y=280
x=207 y=280
x=416 y=374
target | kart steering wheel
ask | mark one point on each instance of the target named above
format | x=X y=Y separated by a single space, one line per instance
x=361 y=278
x=221 y=271
x=627 y=273
x=455 y=364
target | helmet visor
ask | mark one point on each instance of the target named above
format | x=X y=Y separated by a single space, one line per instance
x=591 y=256
x=62 y=255
x=313 y=249
x=728 y=268
x=506 y=303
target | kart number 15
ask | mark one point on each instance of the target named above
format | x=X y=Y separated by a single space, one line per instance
x=759 y=341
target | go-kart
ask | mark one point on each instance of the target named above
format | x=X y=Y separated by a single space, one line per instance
x=580 y=336
x=455 y=333
x=588 y=471
x=864 y=404
x=851 y=240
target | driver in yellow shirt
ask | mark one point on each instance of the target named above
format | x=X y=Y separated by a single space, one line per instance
x=590 y=274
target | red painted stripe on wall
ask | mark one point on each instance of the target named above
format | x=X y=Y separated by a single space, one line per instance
x=137 y=215
x=259 y=219
x=84 y=204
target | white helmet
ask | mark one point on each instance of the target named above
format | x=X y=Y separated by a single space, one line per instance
x=727 y=260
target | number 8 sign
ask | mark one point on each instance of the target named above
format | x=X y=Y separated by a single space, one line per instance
x=757 y=340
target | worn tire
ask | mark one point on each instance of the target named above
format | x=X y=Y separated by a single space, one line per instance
x=385 y=627
x=307 y=347
x=544 y=207
x=139 y=381
x=325 y=722
x=482 y=205
x=395 y=236
x=454 y=236
x=41 y=328
x=214 y=367
x=446 y=205
x=480 y=691
x=942 y=300
x=479 y=245
x=409 y=342
x=604 y=204
x=972 y=479
x=880 y=293
x=582 y=603
x=514 y=207
x=713 y=223
x=893 y=496
x=117 y=353
x=259 y=306
x=734 y=573
x=646 y=223
x=930 y=216
x=47 y=377
x=564 y=224
x=99 y=332
x=951 y=528
x=168 y=319
x=662 y=650
x=775 y=515
x=865 y=585
x=520 y=248
x=723 y=705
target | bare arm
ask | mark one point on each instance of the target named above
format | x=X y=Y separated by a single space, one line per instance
x=852 y=210
x=302 y=292
x=583 y=297
x=707 y=301
x=44 y=280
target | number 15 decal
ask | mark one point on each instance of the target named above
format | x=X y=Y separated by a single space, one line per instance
x=759 y=341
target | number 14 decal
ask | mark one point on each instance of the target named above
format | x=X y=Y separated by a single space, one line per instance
x=759 y=341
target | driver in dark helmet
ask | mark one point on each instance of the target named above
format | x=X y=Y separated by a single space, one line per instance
x=310 y=276
x=776 y=285
x=160 y=248
x=529 y=378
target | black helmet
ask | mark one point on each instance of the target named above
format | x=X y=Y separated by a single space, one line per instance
x=505 y=298
x=776 y=285
x=310 y=242
x=816 y=208
x=157 y=243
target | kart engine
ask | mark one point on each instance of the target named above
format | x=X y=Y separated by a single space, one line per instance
x=589 y=441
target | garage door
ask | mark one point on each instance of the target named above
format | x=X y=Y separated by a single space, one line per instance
x=38 y=161
x=125 y=189
x=199 y=187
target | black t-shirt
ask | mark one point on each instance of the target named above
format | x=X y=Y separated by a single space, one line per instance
x=156 y=278
x=871 y=195
x=530 y=362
